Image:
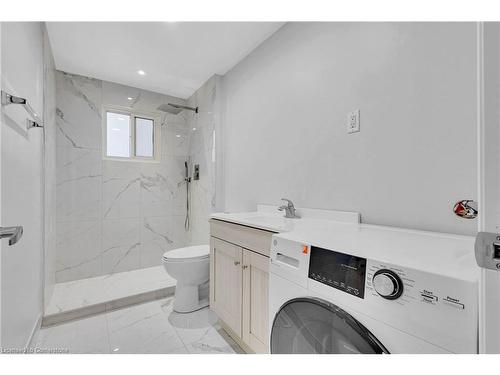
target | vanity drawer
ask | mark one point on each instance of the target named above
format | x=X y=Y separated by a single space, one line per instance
x=257 y=240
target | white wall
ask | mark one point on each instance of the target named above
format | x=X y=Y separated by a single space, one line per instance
x=114 y=216
x=21 y=179
x=415 y=84
x=49 y=117
x=492 y=132
x=489 y=303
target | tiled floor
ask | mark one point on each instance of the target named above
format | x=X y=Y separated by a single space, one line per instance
x=86 y=292
x=151 y=327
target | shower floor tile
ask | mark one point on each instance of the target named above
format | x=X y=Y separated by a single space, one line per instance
x=151 y=327
x=77 y=294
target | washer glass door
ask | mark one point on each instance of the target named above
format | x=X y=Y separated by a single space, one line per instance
x=314 y=326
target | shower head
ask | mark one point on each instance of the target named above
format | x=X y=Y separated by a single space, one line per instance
x=169 y=109
x=175 y=109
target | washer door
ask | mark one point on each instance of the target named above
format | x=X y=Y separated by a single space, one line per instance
x=314 y=326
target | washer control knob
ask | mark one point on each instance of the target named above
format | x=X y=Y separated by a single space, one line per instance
x=387 y=284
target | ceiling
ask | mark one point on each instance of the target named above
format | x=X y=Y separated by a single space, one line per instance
x=177 y=57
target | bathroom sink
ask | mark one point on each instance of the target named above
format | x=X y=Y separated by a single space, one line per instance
x=271 y=222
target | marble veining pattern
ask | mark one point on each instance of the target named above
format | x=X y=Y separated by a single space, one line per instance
x=78 y=111
x=63 y=127
x=103 y=194
x=147 y=225
x=78 y=250
x=71 y=85
x=121 y=244
x=121 y=195
x=158 y=237
x=151 y=327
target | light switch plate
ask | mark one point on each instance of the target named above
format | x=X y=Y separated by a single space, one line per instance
x=353 y=121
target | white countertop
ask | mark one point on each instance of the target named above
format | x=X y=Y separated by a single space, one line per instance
x=441 y=253
x=269 y=218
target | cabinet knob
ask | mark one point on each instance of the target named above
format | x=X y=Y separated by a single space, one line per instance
x=244 y=267
x=237 y=263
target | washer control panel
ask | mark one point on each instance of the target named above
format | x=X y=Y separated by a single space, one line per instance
x=408 y=286
x=427 y=305
x=387 y=284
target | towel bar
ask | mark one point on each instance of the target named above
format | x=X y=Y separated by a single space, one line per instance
x=11 y=99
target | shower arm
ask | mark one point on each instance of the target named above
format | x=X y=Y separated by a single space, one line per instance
x=180 y=106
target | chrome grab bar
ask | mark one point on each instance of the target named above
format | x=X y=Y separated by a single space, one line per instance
x=10 y=99
x=14 y=234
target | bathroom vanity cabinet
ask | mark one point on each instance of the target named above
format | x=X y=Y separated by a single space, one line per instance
x=239 y=280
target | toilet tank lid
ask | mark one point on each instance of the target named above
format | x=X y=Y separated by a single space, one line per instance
x=200 y=251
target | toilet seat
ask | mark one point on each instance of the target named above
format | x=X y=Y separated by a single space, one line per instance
x=186 y=254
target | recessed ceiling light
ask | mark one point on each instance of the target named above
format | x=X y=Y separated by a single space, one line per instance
x=141 y=72
x=130 y=98
x=194 y=129
x=178 y=135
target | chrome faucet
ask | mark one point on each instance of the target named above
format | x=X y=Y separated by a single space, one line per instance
x=289 y=209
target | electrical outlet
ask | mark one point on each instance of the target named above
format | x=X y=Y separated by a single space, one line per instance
x=353 y=122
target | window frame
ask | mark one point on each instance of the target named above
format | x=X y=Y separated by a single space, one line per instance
x=133 y=114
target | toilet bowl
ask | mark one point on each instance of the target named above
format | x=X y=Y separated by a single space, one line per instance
x=190 y=267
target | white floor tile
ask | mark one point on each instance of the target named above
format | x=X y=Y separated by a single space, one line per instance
x=151 y=327
x=198 y=330
x=88 y=335
x=142 y=329
x=204 y=341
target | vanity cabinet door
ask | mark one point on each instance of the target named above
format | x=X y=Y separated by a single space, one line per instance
x=255 y=301
x=226 y=282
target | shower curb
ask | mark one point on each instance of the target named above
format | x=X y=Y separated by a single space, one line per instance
x=103 y=307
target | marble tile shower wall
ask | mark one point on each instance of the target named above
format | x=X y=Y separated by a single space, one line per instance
x=113 y=216
x=201 y=151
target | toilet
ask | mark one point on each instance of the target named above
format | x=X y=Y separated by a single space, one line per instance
x=190 y=267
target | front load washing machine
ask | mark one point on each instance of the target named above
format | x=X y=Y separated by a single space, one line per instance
x=372 y=290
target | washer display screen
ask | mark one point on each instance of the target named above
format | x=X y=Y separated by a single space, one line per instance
x=340 y=271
